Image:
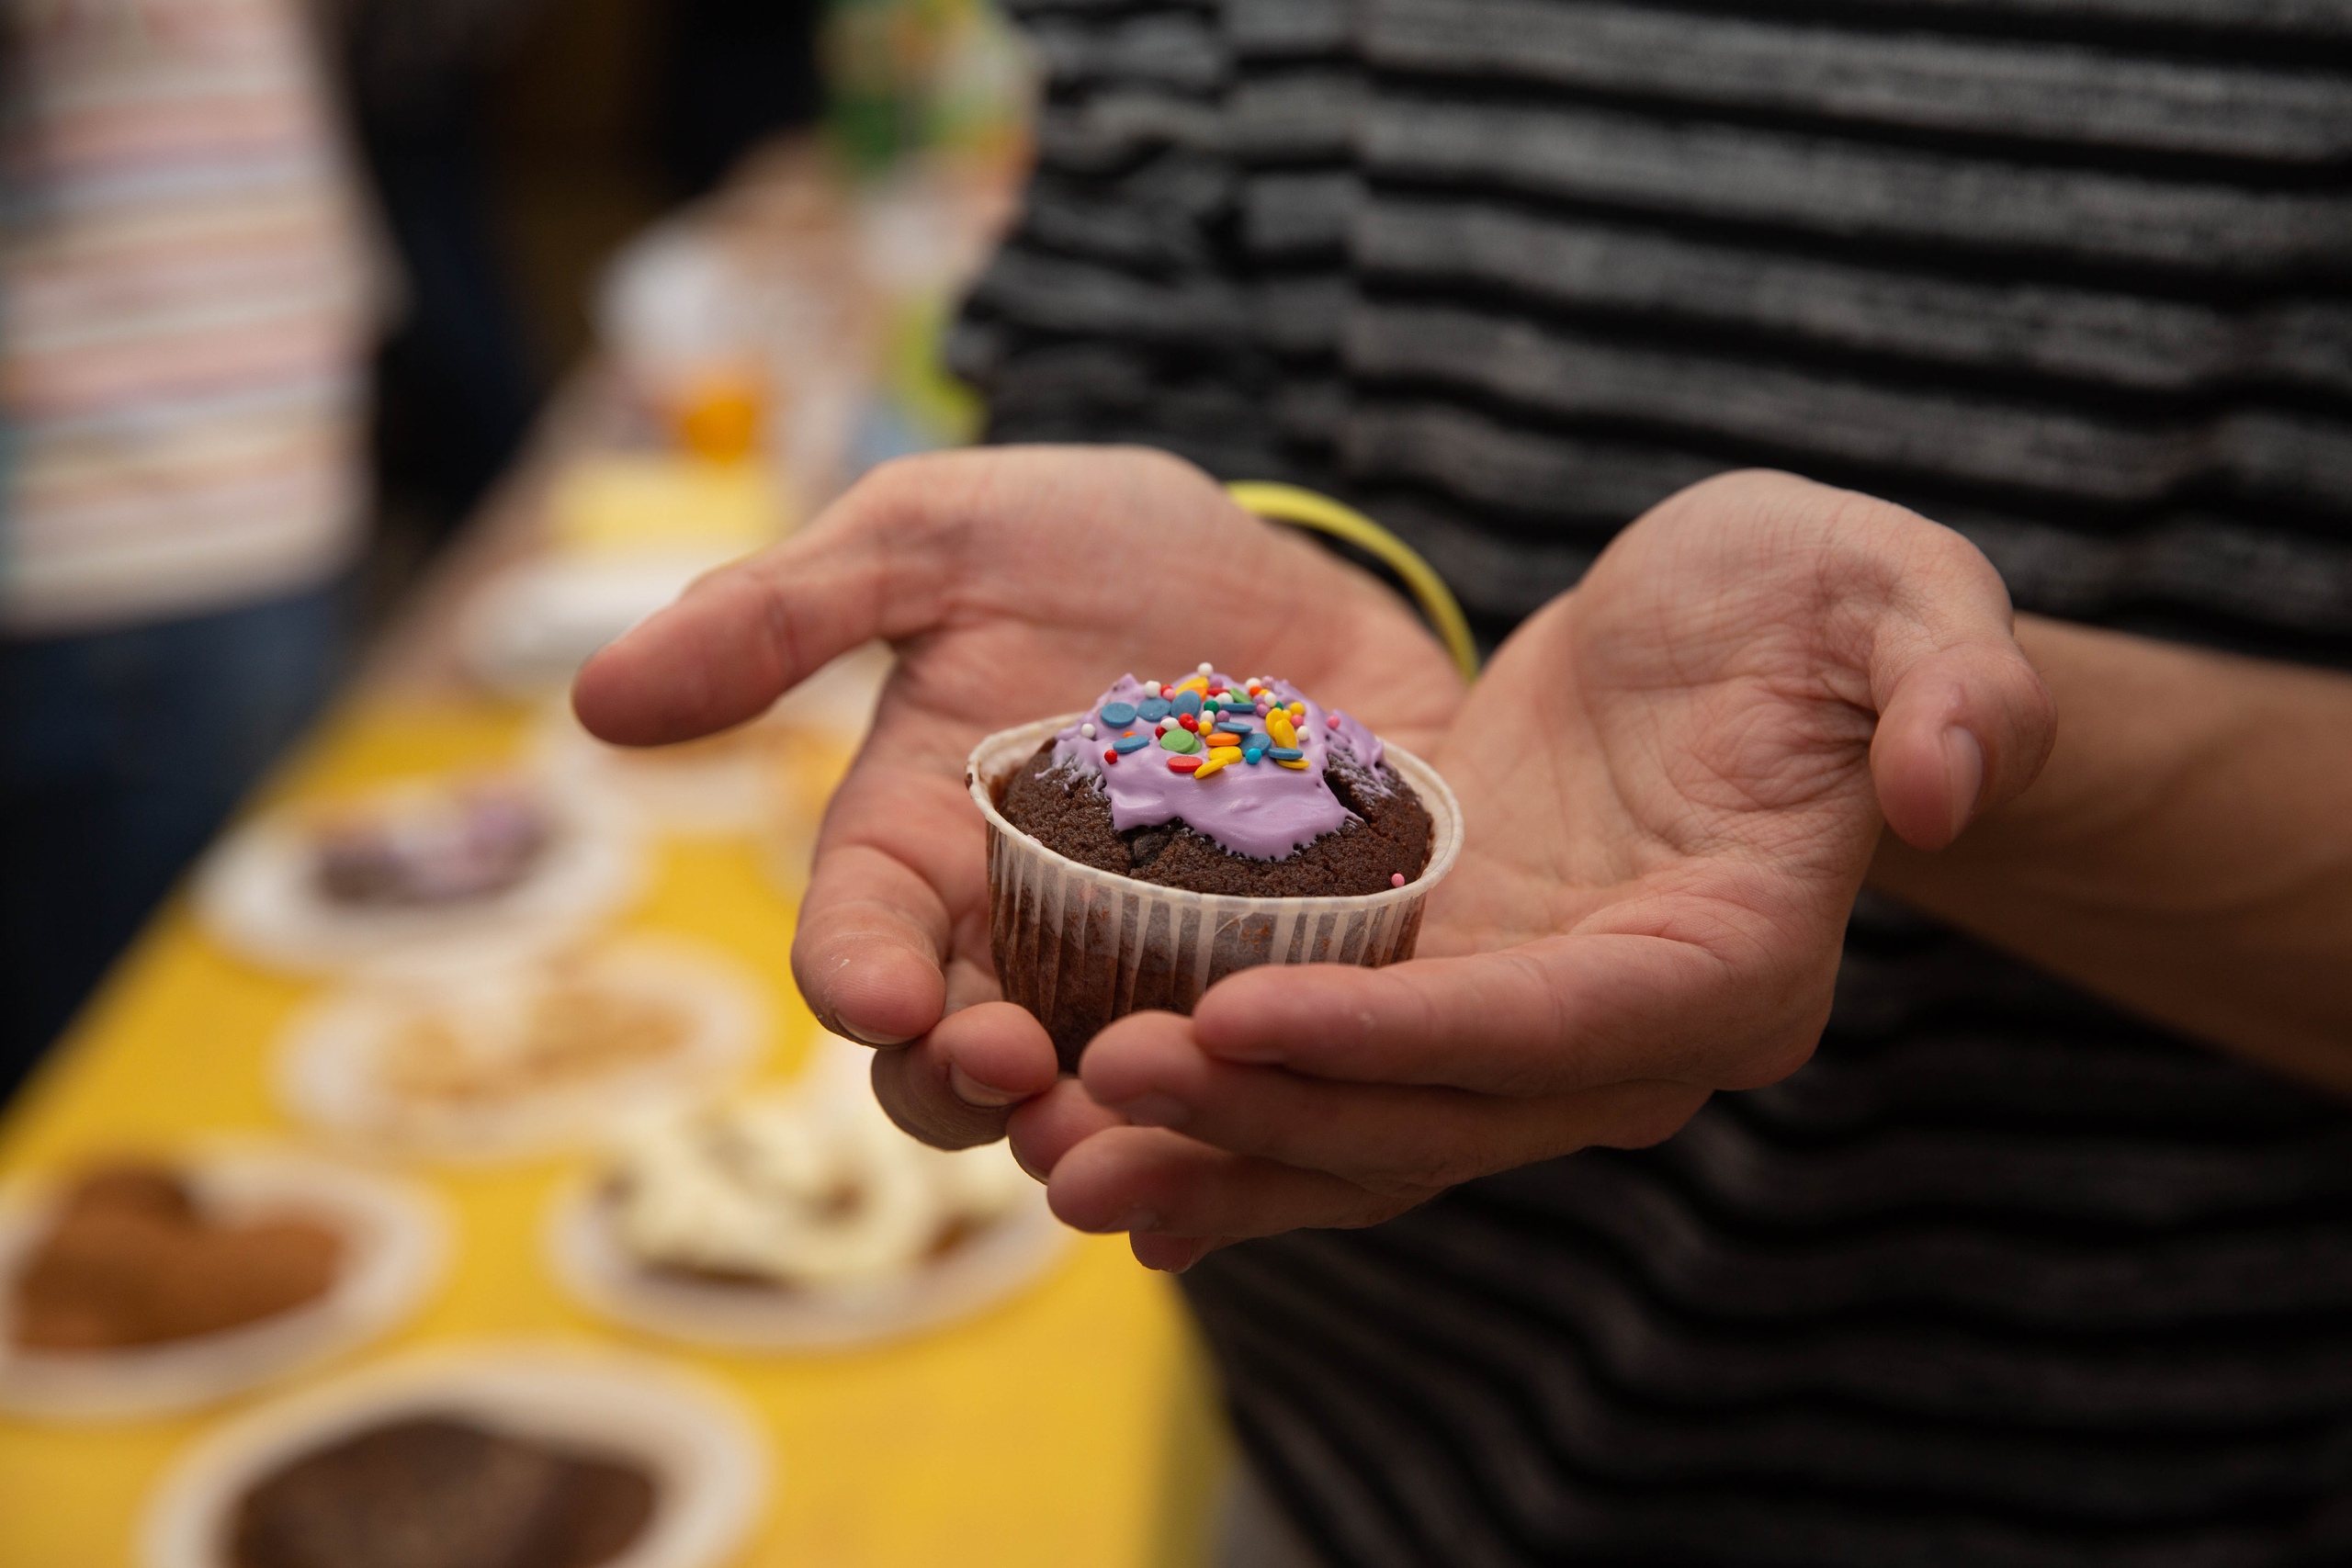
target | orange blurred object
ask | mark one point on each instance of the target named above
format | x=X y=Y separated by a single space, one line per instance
x=720 y=417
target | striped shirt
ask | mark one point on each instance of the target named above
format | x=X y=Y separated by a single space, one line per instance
x=2002 y=1277
x=183 y=314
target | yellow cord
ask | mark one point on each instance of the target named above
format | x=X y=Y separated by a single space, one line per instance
x=1290 y=503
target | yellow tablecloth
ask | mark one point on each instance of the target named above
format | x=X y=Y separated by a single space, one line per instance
x=1072 y=1426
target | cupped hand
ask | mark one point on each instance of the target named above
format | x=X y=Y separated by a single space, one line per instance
x=1672 y=780
x=1014 y=584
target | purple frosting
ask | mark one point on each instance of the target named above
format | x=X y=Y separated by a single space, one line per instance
x=1261 y=809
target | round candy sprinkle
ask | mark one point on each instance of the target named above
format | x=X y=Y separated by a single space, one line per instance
x=1087 y=731
x=1189 y=722
x=1110 y=756
x=1215 y=761
x=1181 y=741
x=1118 y=712
x=1284 y=753
x=1330 y=721
x=1151 y=710
x=1183 y=764
x=1251 y=754
x=1395 y=879
x=1187 y=702
x=1298 y=766
x=1206 y=667
x=1131 y=742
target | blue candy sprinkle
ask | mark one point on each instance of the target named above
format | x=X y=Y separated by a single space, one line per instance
x=1284 y=753
x=1251 y=754
x=1232 y=726
x=1151 y=710
x=1118 y=712
x=1131 y=742
x=1188 y=702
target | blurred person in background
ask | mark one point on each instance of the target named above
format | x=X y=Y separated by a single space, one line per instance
x=2044 y=1256
x=186 y=301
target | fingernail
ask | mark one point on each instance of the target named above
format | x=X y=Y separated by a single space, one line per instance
x=1155 y=1111
x=972 y=1091
x=879 y=1041
x=1964 y=760
x=1138 y=1220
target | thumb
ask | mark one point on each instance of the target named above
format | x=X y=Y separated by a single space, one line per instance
x=744 y=634
x=1964 y=724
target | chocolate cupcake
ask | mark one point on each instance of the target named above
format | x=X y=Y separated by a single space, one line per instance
x=1174 y=833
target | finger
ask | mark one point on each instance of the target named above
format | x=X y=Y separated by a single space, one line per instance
x=1384 y=1137
x=1962 y=728
x=1703 y=998
x=899 y=868
x=875 y=564
x=957 y=1086
x=1147 y=1179
x=1172 y=1254
x=1044 y=1129
x=870 y=948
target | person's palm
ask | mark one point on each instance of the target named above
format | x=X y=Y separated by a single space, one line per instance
x=1015 y=583
x=1672 y=781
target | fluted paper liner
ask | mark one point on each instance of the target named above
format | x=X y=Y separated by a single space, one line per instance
x=1079 y=947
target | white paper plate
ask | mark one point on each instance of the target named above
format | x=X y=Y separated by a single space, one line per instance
x=734 y=784
x=329 y=1065
x=706 y=1456
x=257 y=894
x=988 y=1267
x=394 y=1239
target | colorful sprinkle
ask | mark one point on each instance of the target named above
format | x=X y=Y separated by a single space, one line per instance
x=1131 y=742
x=1254 y=754
x=1187 y=702
x=1181 y=741
x=1183 y=764
x=1284 y=753
x=1298 y=766
x=1151 y=710
x=1187 y=721
x=1205 y=668
x=1216 y=759
x=1116 y=714
x=1330 y=721
x=1279 y=726
x=1110 y=756
x=1395 y=879
x=1087 y=731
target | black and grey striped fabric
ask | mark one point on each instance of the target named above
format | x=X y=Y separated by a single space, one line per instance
x=2002 y=1277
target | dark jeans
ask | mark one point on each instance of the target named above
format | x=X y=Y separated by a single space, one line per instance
x=120 y=752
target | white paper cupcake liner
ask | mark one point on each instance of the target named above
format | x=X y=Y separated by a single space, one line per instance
x=702 y=1447
x=1080 y=947
x=393 y=1236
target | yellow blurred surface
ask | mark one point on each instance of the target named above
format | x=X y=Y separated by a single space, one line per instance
x=606 y=504
x=1069 y=1426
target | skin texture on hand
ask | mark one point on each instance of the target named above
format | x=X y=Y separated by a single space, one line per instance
x=2187 y=853
x=1673 y=780
x=1014 y=584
